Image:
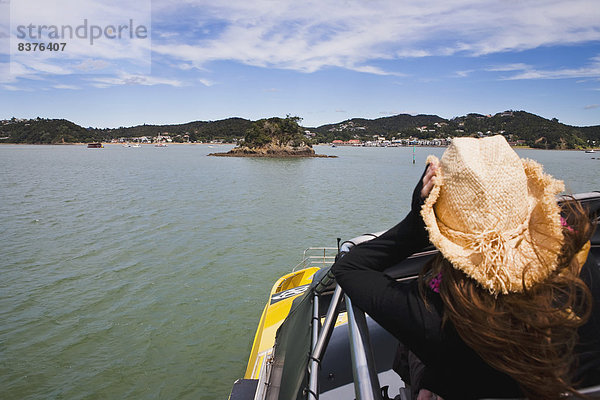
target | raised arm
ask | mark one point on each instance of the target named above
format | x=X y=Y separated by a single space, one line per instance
x=360 y=272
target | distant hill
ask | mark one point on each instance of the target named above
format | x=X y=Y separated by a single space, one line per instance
x=534 y=130
x=527 y=128
x=47 y=131
x=357 y=128
x=198 y=131
x=530 y=129
x=56 y=131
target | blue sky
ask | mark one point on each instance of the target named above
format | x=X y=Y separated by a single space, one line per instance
x=325 y=61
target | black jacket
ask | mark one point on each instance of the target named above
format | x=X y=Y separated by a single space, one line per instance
x=454 y=370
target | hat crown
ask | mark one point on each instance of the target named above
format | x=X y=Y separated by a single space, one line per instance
x=485 y=186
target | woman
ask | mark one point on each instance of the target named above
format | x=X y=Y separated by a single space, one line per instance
x=510 y=307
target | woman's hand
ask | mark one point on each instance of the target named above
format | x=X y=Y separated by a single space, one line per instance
x=425 y=394
x=429 y=179
x=424 y=186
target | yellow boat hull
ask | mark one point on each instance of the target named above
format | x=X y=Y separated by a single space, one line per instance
x=283 y=293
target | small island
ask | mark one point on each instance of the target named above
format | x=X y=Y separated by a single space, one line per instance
x=274 y=137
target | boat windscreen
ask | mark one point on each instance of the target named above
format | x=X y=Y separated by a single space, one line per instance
x=290 y=357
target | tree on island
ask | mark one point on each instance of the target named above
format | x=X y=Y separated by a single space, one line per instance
x=284 y=132
x=273 y=137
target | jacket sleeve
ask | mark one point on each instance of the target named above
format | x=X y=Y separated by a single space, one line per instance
x=386 y=250
x=396 y=306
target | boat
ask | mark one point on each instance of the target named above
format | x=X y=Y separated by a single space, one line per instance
x=95 y=146
x=590 y=151
x=136 y=145
x=345 y=354
x=160 y=144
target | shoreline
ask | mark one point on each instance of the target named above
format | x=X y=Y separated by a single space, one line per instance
x=271 y=155
x=113 y=144
x=596 y=149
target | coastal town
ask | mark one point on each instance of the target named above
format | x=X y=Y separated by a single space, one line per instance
x=376 y=141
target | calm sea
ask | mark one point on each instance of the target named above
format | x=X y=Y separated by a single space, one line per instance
x=141 y=272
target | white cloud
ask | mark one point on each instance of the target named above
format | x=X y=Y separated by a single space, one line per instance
x=311 y=35
x=33 y=68
x=510 y=67
x=465 y=73
x=374 y=70
x=12 y=88
x=167 y=35
x=130 y=79
x=592 y=70
x=205 y=82
x=521 y=71
x=413 y=53
x=67 y=87
x=92 y=65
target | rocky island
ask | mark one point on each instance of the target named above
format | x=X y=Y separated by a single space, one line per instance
x=273 y=137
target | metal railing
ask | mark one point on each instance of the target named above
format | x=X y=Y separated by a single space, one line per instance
x=321 y=338
x=317 y=257
x=366 y=383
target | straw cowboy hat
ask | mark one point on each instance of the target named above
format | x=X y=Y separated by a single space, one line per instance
x=493 y=215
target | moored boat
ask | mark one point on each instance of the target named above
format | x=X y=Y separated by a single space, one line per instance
x=312 y=343
x=95 y=145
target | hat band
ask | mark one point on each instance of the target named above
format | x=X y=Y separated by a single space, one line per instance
x=491 y=253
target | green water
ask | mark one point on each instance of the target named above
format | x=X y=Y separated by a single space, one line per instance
x=141 y=273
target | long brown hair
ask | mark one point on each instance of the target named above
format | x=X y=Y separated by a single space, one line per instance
x=530 y=335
